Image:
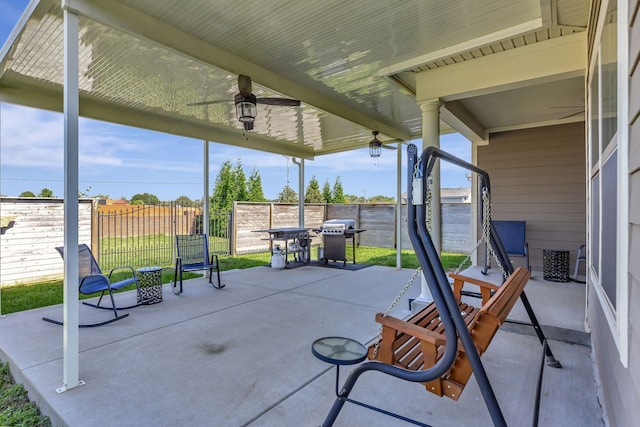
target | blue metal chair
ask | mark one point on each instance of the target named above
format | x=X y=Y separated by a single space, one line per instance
x=193 y=255
x=92 y=281
x=513 y=236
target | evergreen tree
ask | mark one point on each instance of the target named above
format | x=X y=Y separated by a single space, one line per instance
x=240 y=183
x=326 y=192
x=287 y=195
x=224 y=192
x=254 y=190
x=313 y=194
x=338 y=192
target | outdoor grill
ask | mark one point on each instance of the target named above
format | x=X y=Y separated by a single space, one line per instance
x=297 y=242
x=335 y=233
x=337 y=226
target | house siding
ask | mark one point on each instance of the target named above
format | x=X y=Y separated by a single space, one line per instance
x=538 y=176
x=620 y=385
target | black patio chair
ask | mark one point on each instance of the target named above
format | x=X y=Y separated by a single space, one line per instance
x=193 y=255
x=92 y=281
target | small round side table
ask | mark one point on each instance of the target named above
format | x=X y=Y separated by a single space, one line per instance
x=339 y=351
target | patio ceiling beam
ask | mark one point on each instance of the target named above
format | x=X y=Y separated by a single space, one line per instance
x=547 y=61
x=459 y=118
x=140 y=25
x=38 y=97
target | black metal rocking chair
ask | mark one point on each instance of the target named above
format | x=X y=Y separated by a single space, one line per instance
x=92 y=281
x=193 y=255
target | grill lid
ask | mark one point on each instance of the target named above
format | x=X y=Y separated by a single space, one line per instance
x=337 y=226
x=346 y=223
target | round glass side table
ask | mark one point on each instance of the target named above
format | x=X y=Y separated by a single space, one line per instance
x=339 y=351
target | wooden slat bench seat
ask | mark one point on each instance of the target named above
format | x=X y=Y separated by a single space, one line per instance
x=418 y=342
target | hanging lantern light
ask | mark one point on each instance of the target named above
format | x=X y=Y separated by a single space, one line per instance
x=375 y=146
x=246 y=109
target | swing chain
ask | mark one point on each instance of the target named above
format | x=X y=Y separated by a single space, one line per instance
x=428 y=203
x=486 y=234
x=486 y=225
x=393 y=305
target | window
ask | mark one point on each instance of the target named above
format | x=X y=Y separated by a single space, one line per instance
x=608 y=142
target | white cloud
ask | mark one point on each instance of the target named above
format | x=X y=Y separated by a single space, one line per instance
x=30 y=138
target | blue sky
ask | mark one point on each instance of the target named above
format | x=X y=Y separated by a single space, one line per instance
x=121 y=161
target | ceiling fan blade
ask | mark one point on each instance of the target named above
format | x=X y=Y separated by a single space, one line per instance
x=572 y=115
x=285 y=102
x=194 y=104
x=244 y=85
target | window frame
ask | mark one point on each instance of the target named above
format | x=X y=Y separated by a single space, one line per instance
x=616 y=312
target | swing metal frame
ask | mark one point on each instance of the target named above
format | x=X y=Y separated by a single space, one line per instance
x=444 y=299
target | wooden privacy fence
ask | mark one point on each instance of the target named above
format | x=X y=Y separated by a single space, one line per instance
x=139 y=236
x=27 y=244
x=378 y=219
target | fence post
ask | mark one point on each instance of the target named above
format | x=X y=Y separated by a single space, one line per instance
x=358 y=209
x=232 y=227
x=270 y=215
x=95 y=231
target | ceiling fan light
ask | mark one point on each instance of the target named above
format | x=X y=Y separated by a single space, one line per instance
x=246 y=109
x=375 y=146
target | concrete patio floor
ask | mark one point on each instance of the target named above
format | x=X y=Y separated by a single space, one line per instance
x=241 y=356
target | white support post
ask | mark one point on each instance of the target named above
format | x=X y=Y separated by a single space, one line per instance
x=300 y=164
x=71 y=110
x=431 y=137
x=206 y=202
x=206 y=219
x=475 y=259
x=301 y=193
x=399 y=206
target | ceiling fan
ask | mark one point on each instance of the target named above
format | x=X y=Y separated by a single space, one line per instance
x=246 y=102
x=376 y=146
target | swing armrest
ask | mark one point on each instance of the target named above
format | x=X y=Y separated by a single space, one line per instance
x=410 y=329
x=485 y=287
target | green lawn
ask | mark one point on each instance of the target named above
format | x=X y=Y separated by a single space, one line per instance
x=140 y=251
x=26 y=297
x=15 y=407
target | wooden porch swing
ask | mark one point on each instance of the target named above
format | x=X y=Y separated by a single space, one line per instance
x=420 y=348
x=418 y=342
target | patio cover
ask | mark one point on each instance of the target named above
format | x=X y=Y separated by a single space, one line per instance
x=357 y=66
x=352 y=64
